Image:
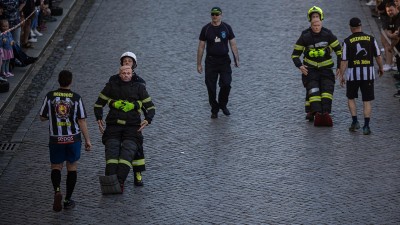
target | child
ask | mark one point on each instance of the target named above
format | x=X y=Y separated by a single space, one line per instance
x=2 y=17
x=6 y=48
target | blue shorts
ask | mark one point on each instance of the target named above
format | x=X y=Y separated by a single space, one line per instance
x=65 y=152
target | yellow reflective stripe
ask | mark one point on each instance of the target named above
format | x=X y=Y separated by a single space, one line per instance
x=99 y=106
x=315 y=99
x=138 y=162
x=320 y=64
x=146 y=100
x=299 y=47
x=153 y=107
x=327 y=95
x=295 y=56
x=103 y=97
x=307 y=103
x=112 y=161
x=334 y=44
x=122 y=122
x=123 y=161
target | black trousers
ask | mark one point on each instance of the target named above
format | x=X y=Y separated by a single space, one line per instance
x=320 y=88
x=218 y=67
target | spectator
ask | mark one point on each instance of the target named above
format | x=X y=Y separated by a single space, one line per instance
x=7 y=52
x=12 y=9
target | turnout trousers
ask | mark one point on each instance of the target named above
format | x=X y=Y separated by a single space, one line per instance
x=122 y=143
x=214 y=67
x=320 y=87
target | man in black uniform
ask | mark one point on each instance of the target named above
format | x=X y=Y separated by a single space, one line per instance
x=122 y=136
x=138 y=163
x=67 y=119
x=317 y=67
x=359 y=51
x=217 y=34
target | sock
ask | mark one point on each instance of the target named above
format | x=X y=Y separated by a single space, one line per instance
x=56 y=179
x=354 y=119
x=71 y=181
x=366 y=122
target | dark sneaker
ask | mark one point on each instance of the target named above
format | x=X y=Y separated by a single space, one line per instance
x=318 y=120
x=327 y=120
x=69 y=204
x=214 y=115
x=226 y=111
x=138 y=179
x=366 y=130
x=310 y=116
x=354 y=126
x=397 y=95
x=57 y=202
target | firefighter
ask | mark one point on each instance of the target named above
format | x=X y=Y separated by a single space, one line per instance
x=138 y=163
x=307 y=108
x=316 y=44
x=122 y=136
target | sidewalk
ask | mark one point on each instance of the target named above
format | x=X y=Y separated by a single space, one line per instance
x=21 y=73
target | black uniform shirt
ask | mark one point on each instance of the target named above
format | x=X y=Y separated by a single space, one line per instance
x=63 y=108
x=217 y=38
x=359 y=49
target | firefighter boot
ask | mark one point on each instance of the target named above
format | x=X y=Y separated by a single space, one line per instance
x=138 y=179
x=310 y=116
x=318 y=119
x=327 y=120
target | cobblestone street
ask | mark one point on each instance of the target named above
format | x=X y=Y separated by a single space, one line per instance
x=264 y=164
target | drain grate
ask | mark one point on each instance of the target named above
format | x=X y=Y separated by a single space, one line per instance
x=8 y=147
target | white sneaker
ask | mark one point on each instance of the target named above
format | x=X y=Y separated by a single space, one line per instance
x=3 y=79
x=32 y=40
x=37 y=32
x=371 y=3
x=33 y=34
x=386 y=67
x=394 y=68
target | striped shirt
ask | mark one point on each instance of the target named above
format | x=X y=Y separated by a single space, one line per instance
x=63 y=108
x=360 y=49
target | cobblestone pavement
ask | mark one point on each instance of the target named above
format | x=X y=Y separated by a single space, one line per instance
x=262 y=165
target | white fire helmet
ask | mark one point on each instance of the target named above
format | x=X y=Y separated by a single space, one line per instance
x=131 y=55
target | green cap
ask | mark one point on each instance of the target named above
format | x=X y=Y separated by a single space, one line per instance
x=216 y=10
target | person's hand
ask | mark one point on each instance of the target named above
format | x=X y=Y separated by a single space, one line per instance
x=88 y=146
x=236 y=63
x=380 y=71
x=101 y=125
x=304 y=70
x=199 y=69
x=128 y=106
x=118 y=104
x=143 y=124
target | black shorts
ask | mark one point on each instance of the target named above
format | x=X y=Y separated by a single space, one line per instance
x=366 y=87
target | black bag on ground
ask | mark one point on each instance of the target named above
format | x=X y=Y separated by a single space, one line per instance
x=56 y=11
x=4 y=86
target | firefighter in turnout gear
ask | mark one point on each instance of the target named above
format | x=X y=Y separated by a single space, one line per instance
x=122 y=136
x=138 y=163
x=316 y=44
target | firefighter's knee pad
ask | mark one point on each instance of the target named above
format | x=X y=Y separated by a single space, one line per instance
x=112 y=147
x=313 y=91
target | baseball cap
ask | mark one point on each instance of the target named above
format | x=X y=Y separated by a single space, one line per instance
x=216 y=10
x=355 y=22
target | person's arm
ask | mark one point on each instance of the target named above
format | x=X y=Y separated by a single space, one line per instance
x=235 y=52
x=200 y=52
x=380 y=65
x=340 y=73
x=85 y=132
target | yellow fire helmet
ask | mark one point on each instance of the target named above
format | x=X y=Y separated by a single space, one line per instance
x=315 y=9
